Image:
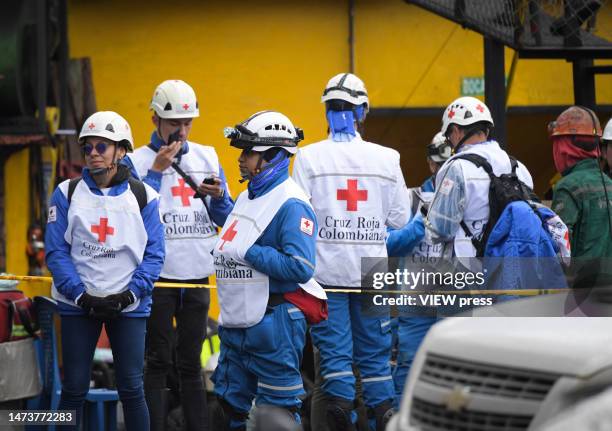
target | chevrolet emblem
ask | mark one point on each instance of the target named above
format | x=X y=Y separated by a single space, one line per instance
x=458 y=398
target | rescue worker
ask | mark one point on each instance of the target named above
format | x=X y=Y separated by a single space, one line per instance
x=460 y=206
x=265 y=250
x=357 y=189
x=606 y=149
x=105 y=248
x=189 y=220
x=582 y=196
x=413 y=324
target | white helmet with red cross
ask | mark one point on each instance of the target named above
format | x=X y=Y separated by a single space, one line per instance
x=465 y=111
x=175 y=99
x=109 y=125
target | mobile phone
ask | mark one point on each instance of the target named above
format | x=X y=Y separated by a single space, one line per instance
x=174 y=136
x=210 y=181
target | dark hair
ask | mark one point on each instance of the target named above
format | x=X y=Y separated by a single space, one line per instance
x=481 y=126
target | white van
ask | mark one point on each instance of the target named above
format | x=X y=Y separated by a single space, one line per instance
x=508 y=373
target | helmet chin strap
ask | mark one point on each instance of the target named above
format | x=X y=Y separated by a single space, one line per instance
x=105 y=171
x=468 y=134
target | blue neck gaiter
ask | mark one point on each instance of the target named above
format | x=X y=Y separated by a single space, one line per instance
x=342 y=123
x=280 y=166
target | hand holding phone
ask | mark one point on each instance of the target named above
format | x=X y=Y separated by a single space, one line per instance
x=210 y=181
x=174 y=136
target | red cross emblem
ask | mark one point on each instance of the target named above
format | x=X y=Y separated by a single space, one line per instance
x=567 y=240
x=451 y=113
x=185 y=106
x=480 y=108
x=351 y=195
x=184 y=192
x=102 y=229
x=229 y=234
x=91 y=126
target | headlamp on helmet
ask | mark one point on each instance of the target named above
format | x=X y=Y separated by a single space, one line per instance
x=265 y=130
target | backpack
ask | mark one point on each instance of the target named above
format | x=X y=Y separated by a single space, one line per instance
x=17 y=316
x=503 y=191
x=137 y=187
x=517 y=246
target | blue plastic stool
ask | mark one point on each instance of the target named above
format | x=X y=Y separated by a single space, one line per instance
x=100 y=409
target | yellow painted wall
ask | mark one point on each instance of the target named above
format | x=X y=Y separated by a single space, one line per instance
x=240 y=57
x=17 y=210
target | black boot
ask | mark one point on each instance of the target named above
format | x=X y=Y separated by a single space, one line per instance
x=381 y=414
x=157 y=402
x=195 y=409
x=338 y=414
x=222 y=414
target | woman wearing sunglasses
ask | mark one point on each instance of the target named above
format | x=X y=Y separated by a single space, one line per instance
x=105 y=248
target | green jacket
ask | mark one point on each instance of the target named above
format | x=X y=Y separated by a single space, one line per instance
x=580 y=201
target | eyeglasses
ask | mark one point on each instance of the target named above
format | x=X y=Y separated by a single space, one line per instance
x=100 y=148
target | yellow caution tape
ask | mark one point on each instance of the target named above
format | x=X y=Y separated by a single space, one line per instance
x=518 y=292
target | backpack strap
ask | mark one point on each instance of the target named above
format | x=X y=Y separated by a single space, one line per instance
x=514 y=164
x=137 y=187
x=479 y=161
x=139 y=190
x=72 y=187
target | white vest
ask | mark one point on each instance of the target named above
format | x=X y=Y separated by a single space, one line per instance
x=190 y=234
x=477 y=183
x=357 y=189
x=242 y=290
x=107 y=239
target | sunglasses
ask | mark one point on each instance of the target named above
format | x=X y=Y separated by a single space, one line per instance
x=100 y=148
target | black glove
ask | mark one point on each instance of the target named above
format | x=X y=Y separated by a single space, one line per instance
x=108 y=307
x=121 y=300
x=88 y=302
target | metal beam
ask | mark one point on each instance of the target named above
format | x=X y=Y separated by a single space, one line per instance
x=351 y=36
x=41 y=63
x=63 y=58
x=584 y=83
x=564 y=53
x=495 y=86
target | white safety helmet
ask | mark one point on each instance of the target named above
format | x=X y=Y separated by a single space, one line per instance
x=465 y=111
x=607 y=134
x=347 y=87
x=265 y=130
x=439 y=150
x=109 y=125
x=175 y=99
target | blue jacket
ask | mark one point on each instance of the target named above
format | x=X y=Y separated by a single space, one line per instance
x=219 y=208
x=518 y=233
x=402 y=241
x=283 y=251
x=65 y=276
x=520 y=253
